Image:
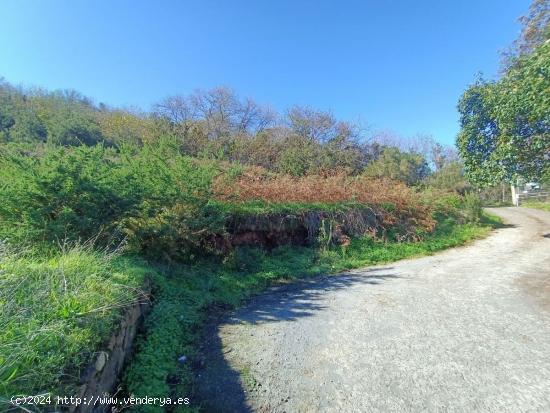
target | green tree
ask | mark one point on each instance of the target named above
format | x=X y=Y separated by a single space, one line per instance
x=449 y=177
x=408 y=167
x=505 y=125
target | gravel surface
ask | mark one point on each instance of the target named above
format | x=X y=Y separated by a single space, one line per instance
x=466 y=330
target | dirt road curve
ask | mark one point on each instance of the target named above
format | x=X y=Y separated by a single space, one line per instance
x=467 y=330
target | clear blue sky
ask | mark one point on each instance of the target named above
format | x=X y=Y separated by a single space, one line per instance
x=396 y=65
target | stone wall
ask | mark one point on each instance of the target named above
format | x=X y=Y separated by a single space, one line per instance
x=101 y=376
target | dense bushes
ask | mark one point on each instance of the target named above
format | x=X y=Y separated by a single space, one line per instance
x=167 y=205
x=408 y=167
x=154 y=198
x=63 y=193
x=253 y=184
x=376 y=206
x=217 y=124
x=32 y=116
x=472 y=207
x=212 y=124
x=450 y=178
x=173 y=214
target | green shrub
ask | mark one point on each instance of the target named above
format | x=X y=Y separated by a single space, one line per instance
x=408 y=167
x=443 y=203
x=169 y=332
x=174 y=214
x=449 y=178
x=472 y=208
x=177 y=232
x=64 y=193
x=154 y=197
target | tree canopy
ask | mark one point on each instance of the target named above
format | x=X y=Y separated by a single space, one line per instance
x=408 y=167
x=505 y=124
x=219 y=124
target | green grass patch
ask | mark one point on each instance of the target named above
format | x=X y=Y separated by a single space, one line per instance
x=545 y=206
x=56 y=311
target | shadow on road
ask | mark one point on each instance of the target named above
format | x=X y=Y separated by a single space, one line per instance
x=219 y=386
x=301 y=299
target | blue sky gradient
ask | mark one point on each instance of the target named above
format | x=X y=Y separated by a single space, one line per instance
x=393 y=65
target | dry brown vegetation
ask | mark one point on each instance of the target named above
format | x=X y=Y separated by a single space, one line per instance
x=380 y=204
x=254 y=184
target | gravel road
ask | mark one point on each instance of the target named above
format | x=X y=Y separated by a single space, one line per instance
x=466 y=330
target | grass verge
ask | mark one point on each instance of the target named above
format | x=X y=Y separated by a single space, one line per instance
x=545 y=206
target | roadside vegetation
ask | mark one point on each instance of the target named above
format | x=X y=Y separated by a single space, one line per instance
x=545 y=206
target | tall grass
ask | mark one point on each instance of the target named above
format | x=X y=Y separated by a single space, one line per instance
x=56 y=311
x=313 y=188
x=391 y=206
